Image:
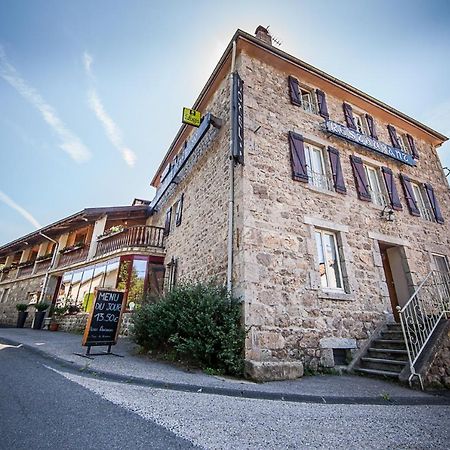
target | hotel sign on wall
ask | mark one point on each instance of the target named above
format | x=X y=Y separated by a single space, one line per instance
x=369 y=142
x=191 y=117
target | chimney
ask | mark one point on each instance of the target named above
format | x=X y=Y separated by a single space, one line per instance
x=263 y=34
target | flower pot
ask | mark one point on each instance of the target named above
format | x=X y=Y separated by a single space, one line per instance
x=38 y=320
x=22 y=317
x=54 y=326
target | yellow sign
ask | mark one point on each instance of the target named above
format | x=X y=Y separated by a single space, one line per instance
x=191 y=117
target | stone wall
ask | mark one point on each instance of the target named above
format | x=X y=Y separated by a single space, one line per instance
x=287 y=310
x=199 y=243
x=76 y=323
x=438 y=374
x=18 y=292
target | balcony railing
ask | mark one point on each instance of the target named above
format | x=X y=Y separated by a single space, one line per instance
x=25 y=271
x=43 y=266
x=73 y=257
x=320 y=180
x=137 y=236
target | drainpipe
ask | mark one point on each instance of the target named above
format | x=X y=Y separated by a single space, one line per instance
x=231 y=190
x=44 y=287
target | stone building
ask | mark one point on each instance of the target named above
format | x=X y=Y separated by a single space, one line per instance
x=323 y=208
x=64 y=262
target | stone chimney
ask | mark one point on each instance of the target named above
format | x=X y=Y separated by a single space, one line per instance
x=263 y=34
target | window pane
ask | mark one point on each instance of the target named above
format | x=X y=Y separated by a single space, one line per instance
x=321 y=258
x=332 y=265
x=136 y=290
x=112 y=271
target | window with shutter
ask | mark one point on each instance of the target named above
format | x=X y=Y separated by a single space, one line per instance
x=329 y=260
x=179 y=211
x=336 y=169
x=348 y=114
x=298 y=160
x=294 y=91
x=371 y=126
x=168 y=222
x=412 y=146
x=393 y=136
x=322 y=103
x=410 y=196
x=359 y=173
x=375 y=187
x=394 y=198
x=316 y=169
x=434 y=203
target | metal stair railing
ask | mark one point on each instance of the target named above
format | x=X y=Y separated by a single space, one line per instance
x=422 y=313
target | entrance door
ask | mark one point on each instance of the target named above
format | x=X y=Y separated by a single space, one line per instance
x=389 y=280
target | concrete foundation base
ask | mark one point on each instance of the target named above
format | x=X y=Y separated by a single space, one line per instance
x=273 y=371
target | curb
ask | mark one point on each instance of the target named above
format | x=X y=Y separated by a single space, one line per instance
x=432 y=399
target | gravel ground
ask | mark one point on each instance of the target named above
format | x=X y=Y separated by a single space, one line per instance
x=218 y=422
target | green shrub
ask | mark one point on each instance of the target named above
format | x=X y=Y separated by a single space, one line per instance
x=199 y=322
x=21 y=307
x=41 y=306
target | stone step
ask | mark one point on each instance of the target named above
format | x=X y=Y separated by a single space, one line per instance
x=393 y=326
x=383 y=373
x=382 y=364
x=386 y=353
x=389 y=343
x=392 y=334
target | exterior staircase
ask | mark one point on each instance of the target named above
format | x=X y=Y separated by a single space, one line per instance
x=387 y=355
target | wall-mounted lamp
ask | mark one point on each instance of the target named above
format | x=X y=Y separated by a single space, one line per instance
x=387 y=214
x=84 y=218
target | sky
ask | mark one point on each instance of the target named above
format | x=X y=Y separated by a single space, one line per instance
x=91 y=92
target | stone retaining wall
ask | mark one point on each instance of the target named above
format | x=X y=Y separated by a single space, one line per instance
x=438 y=375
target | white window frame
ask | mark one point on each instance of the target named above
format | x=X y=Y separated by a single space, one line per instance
x=322 y=232
x=308 y=105
x=360 y=123
x=377 y=192
x=317 y=176
x=422 y=204
x=403 y=142
x=435 y=256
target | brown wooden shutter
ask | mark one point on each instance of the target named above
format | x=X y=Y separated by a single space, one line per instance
x=412 y=146
x=338 y=177
x=167 y=223
x=434 y=203
x=409 y=195
x=294 y=91
x=348 y=113
x=298 y=161
x=391 y=188
x=362 y=187
x=179 y=211
x=372 y=127
x=393 y=136
x=322 y=102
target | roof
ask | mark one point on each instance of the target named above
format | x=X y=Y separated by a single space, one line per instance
x=75 y=220
x=293 y=60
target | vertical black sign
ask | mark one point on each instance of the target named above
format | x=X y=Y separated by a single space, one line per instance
x=237 y=119
x=102 y=326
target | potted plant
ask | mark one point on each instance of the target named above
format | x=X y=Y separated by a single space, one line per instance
x=56 y=312
x=23 y=314
x=39 y=315
x=73 y=309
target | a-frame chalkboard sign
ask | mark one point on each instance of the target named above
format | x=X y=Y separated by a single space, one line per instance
x=102 y=327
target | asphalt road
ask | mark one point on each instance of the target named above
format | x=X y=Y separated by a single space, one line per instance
x=43 y=405
x=41 y=409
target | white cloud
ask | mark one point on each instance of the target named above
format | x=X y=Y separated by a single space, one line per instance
x=87 y=61
x=11 y=203
x=112 y=130
x=70 y=143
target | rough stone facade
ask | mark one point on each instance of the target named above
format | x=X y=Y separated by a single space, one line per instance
x=284 y=304
x=275 y=270
x=438 y=375
x=18 y=292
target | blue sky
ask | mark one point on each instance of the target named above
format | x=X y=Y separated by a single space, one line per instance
x=91 y=91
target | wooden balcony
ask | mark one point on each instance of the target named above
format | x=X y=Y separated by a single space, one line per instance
x=73 y=257
x=25 y=271
x=136 y=236
x=43 y=266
